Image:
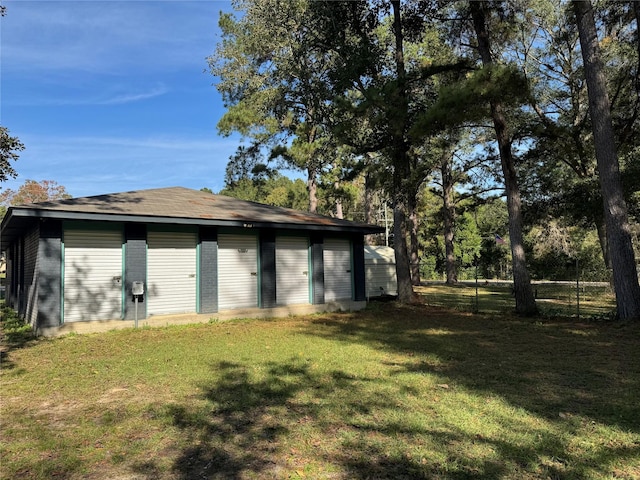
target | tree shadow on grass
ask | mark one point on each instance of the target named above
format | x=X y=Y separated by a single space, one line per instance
x=546 y=368
x=241 y=432
x=257 y=427
x=562 y=372
x=291 y=419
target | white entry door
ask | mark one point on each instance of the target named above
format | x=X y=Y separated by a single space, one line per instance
x=237 y=271
x=292 y=270
x=337 y=269
x=92 y=275
x=171 y=272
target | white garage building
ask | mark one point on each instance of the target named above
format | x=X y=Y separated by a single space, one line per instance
x=380 y=271
x=74 y=262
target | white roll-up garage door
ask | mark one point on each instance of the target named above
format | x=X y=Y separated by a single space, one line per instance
x=92 y=275
x=237 y=271
x=171 y=272
x=337 y=269
x=292 y=270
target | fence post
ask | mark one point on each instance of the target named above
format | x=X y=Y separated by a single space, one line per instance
x=477 y=307
x=578 y=287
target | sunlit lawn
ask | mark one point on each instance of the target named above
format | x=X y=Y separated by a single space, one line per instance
x=388 y=393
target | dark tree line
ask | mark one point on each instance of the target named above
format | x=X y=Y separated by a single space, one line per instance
x=386 y=91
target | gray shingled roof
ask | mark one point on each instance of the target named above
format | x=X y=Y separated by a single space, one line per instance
x=176 y=205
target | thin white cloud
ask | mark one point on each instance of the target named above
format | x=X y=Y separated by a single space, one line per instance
x=93 y=165
x=134 y=97
x=107 y=36
x=79 y=99
x=103 y=55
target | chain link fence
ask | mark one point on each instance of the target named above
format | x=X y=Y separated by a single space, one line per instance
x=580 y=300
x=566 y=290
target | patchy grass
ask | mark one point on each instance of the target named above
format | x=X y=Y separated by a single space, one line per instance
x=389 y=393
x=554 y=299
x=14 y=331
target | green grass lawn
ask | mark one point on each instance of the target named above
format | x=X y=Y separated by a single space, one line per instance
x=388 y=393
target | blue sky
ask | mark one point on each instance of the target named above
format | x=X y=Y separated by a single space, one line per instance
x=111 y=96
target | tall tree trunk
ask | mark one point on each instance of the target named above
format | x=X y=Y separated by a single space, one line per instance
x=312 y=169
x=403 y=274
x=523 y=292
x=449 y=215
x=414 y=244
x=369 y=216
x=401 y=167
x=339 y=212
x=625 y=275
x=601 y=228
x=312 y=188
x=524 y=296
x=636 y=12
x=585 y=174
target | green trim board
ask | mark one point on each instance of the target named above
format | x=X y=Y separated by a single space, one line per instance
x=310 y=270
x=88 y=225
x=171 y=228
x=198 y=276
x=259 y=258
x=240 y=231
x=352 y=268
x=62 y=271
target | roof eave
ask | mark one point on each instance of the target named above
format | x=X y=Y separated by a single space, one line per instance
x=36 y=213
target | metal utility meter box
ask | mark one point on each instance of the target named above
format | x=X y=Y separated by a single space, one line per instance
x=137 y=288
